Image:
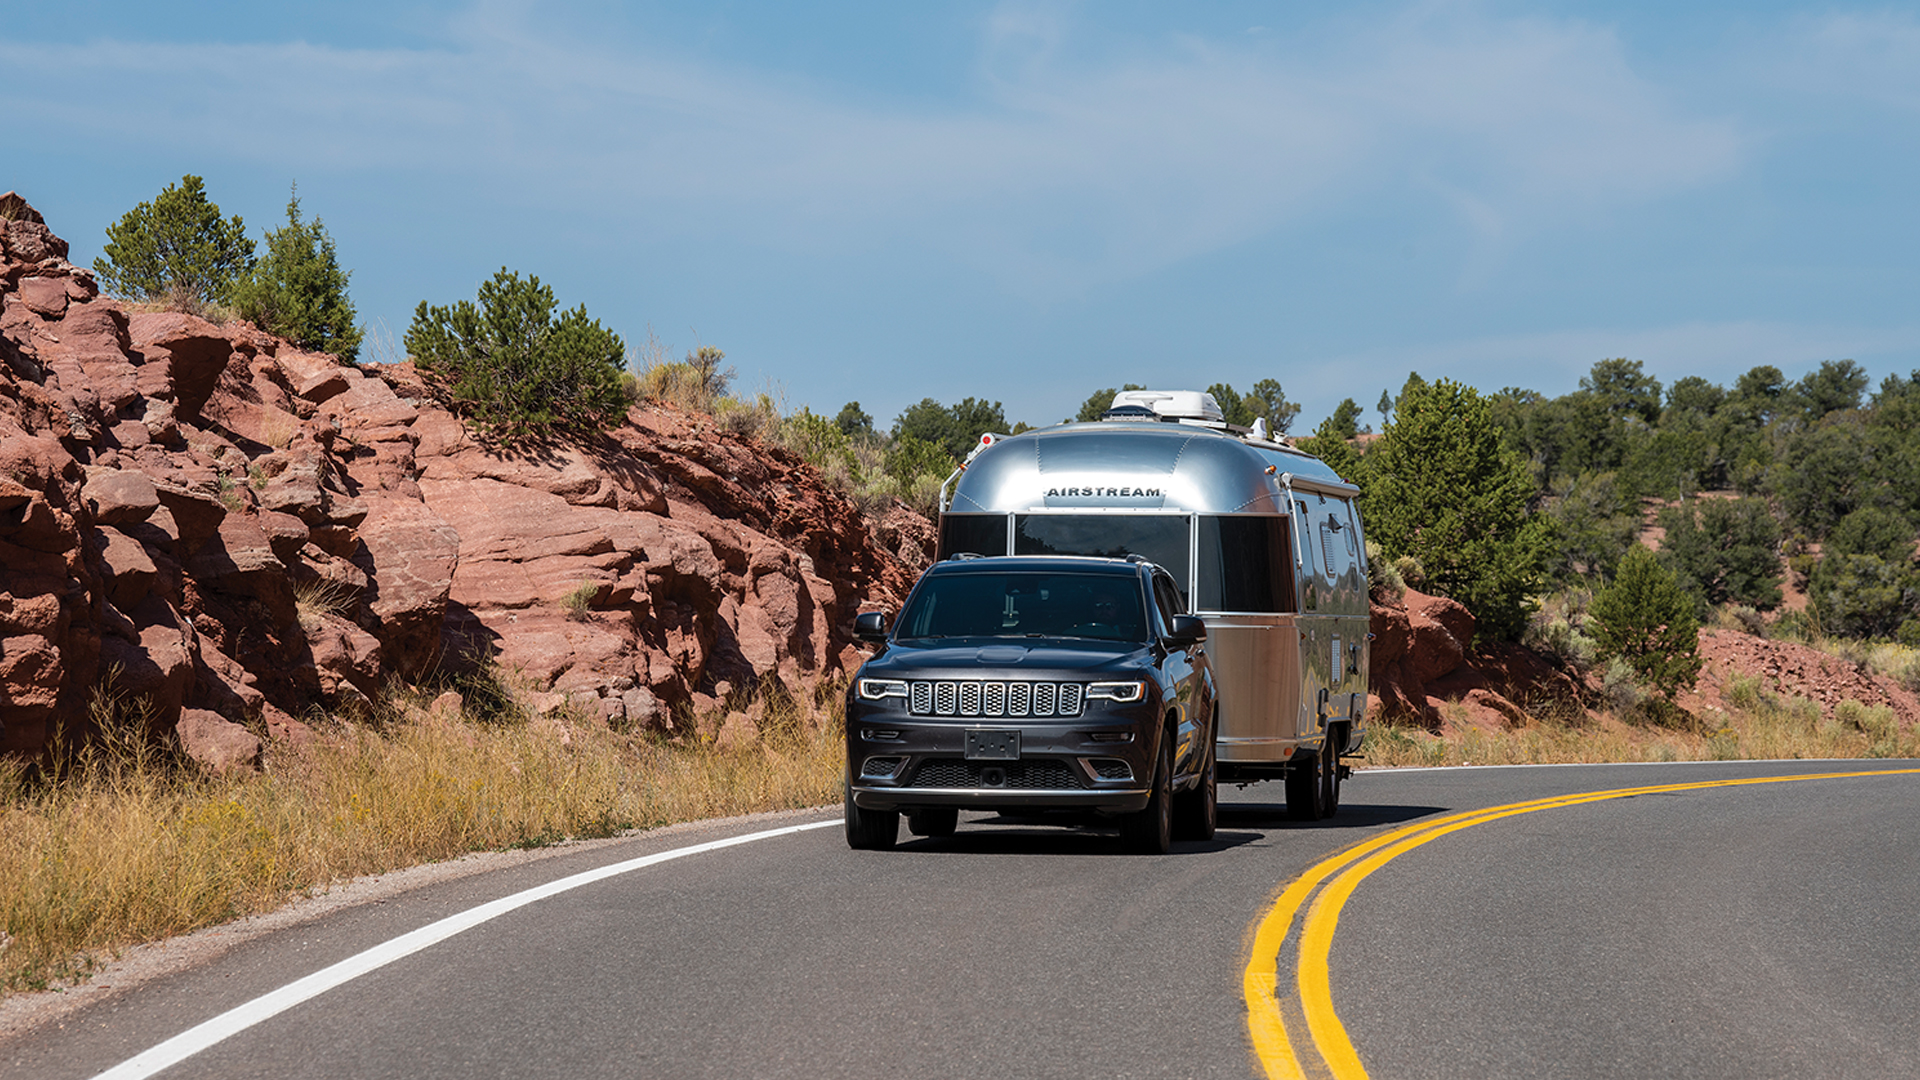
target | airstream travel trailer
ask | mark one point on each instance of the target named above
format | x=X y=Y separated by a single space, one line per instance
x=1263 y=541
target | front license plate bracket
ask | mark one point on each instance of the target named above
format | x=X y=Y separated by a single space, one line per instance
x=989 y=745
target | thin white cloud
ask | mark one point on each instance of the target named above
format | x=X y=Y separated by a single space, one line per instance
x=1060 y=175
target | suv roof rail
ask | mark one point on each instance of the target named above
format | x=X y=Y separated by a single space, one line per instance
x=1136 y=557
x=958 y=555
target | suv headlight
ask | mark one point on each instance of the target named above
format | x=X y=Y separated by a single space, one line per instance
x=876 y=689
x=1116 y=691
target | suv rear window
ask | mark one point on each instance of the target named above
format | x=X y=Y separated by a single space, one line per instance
x=1106 y=607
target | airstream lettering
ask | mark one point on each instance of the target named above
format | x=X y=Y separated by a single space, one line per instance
x=1261 y=540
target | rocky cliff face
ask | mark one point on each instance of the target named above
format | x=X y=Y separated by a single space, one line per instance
x=235 y=531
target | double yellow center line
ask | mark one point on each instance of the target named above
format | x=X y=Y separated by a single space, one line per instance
x=1329 y=884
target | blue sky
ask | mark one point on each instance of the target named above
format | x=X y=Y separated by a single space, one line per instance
x=1027 y=201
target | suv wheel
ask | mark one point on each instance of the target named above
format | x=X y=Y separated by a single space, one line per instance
x=871 y=830
x=1330 y=771
x=933 y=822
x=1150 y=831
x=1197 y=812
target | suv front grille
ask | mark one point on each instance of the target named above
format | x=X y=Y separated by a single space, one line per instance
x=973 y=698
x=1018 y=775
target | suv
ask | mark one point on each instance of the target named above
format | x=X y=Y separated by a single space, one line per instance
x=1034 y=683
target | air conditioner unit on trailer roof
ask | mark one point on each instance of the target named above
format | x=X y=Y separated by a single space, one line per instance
x=1173 y=404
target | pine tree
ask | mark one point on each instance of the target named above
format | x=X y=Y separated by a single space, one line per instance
x=298 y=290
x=176 y=247
x=1443 y=487
x=1645 y=618
x=514 y=368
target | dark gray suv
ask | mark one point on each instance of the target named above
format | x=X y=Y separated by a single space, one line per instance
x=1034 y=683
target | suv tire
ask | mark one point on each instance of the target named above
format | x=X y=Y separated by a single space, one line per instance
x=1149 y=831
x=871 y=830
x=1197 y=812
x=936 y=821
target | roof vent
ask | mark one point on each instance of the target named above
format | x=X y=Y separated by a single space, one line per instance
x=1167 y=405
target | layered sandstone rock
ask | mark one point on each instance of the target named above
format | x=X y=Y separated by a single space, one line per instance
x=1424 y=655
x=234 y=531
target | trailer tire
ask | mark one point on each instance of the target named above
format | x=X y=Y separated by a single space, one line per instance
x=1330 y=770
x=1304 y=788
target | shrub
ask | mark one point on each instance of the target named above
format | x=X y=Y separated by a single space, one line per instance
x=1862 y=595
x=298 y=290
x=910 y=458
x=820 y=441
x=175 y=247
x=1383 y=579
x=515 y=369
x=579 y=602
x=1644 y=618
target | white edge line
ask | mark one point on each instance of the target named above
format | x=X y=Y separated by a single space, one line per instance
x=241 y=1017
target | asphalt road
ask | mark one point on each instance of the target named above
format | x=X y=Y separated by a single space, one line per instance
x=1736 y=931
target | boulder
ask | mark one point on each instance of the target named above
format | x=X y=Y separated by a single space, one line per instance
x=119 y=496
x=216 y=742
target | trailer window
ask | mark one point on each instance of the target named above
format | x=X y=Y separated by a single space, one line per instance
x=981 y=534
x=1162 y=538
x=1246 y=564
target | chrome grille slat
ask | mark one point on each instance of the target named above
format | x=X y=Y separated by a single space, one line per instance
x=1019 y=698
x=956 y=698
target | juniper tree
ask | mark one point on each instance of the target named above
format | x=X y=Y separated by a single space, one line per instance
x=176 y=246
x=514 y=368
x=298 y=290
x=1443 y=487
x=1645 y=618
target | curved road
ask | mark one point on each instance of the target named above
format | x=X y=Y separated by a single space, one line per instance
x=1758 y=930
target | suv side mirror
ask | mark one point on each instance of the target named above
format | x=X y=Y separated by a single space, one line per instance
x=1186 y=630
x=870 y=626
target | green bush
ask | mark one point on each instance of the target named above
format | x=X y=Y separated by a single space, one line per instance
x=176 y=247
x=298 y=290
x=910 y=458
x=820 y=441
x=514 y=369
x=1724 y=551
x=1644 y=618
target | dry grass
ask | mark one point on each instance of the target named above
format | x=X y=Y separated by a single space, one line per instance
x=1757 y=726
x=318 y=597
x=123 y=844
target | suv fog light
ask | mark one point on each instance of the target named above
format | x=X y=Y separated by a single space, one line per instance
x=1110 y=768
x=881 y=768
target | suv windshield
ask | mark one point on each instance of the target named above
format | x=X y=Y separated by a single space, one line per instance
x=1102 y=606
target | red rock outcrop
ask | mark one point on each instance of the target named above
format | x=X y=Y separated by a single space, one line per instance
x=1424 y=655
x=232 y=530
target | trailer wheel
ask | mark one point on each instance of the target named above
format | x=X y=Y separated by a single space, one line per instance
x=1330 y=770
x=1305 y=791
